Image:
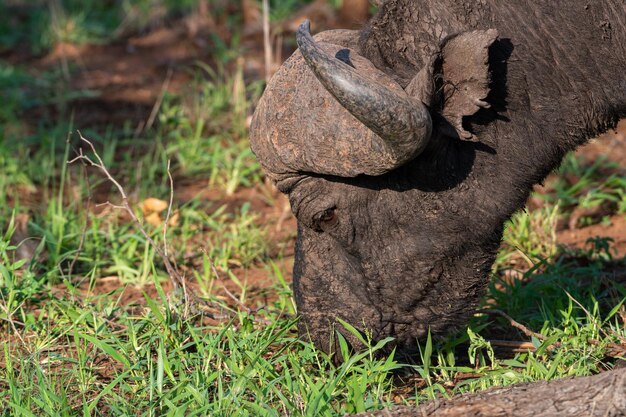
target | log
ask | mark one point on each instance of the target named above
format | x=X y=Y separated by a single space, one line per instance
x=599 y=395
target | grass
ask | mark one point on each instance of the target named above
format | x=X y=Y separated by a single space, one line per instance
x=87 y=353
x=41 y=24
x=209 y=130
x=588 y=185
x=92 y=356
x=91 y=326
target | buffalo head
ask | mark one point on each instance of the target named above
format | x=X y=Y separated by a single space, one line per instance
x=403 y=150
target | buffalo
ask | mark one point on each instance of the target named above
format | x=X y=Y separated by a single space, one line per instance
x=404 y=148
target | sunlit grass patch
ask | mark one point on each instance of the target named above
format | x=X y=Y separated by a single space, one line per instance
x=588 y=189
x=206 y=130
x=229 y=239
x=73 y=359
x=530 y=236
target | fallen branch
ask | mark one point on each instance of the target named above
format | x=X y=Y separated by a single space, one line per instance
x=599 y=395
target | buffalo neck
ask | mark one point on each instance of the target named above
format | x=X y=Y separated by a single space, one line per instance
x=557 y=80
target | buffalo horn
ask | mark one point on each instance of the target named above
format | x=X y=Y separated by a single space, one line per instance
x=401 y=121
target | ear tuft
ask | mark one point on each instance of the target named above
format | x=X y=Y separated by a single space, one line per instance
x=465 y=70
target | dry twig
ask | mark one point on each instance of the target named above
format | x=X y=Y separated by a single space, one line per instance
x=515 y=346
x=226 y=290
x=83 y=234
x=175 y=277
x=513 y=323
x=159 y=101
x=267 y=46
x=12 y=323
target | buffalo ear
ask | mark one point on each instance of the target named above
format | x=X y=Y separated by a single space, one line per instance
x=465 y=70
x=456 y=81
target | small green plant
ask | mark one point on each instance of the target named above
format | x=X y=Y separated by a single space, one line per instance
x=18 y=282
x=585 y=185
x=230 y=239
x=206 y=134
x=531 y=235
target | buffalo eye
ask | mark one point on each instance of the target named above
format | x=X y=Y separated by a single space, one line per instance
x=326 y=219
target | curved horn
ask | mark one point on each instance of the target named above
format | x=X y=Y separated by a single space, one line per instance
x=401 y=121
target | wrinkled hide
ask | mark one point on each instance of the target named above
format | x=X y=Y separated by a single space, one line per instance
x=397 y=231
